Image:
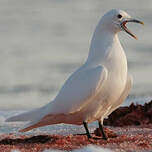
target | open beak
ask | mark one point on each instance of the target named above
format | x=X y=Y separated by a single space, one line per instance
x=123 y=26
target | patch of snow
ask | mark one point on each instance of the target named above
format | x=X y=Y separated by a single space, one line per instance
x=15 y=150
x=89 y=148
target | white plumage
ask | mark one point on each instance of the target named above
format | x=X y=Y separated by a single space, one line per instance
x=97 y=88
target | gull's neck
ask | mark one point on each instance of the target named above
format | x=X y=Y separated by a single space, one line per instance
x=104 y=40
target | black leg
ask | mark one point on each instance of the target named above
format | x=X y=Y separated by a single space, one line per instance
x=86 y=128
x=102 y=131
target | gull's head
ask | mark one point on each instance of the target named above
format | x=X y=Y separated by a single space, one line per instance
x=116 y=20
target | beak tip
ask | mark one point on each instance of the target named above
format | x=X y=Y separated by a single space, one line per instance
x=142 y=23
x=135 y=37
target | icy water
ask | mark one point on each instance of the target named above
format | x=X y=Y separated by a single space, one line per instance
x=43 y=41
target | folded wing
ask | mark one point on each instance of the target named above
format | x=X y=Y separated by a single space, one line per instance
x=78 y=90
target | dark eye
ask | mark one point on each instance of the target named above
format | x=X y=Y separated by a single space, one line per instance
x=119 y=16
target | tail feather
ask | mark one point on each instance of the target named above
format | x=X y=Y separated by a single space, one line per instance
x=26 y=116
x=50 y=119
x=46 y=120
x=38 y=118
x=33 y=115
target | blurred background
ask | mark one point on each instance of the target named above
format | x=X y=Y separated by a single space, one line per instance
x=43 y=41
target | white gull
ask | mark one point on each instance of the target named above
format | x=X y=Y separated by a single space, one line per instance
x=97 y=88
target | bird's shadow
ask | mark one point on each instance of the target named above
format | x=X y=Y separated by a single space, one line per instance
x=30 y=140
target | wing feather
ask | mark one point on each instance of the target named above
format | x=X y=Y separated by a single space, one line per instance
x=78 y=89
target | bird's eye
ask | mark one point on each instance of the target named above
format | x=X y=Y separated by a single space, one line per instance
x=119 y=16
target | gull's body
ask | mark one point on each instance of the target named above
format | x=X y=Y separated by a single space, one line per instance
x=96 y=89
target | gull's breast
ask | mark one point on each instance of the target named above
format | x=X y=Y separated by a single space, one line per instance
x=116 y=64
